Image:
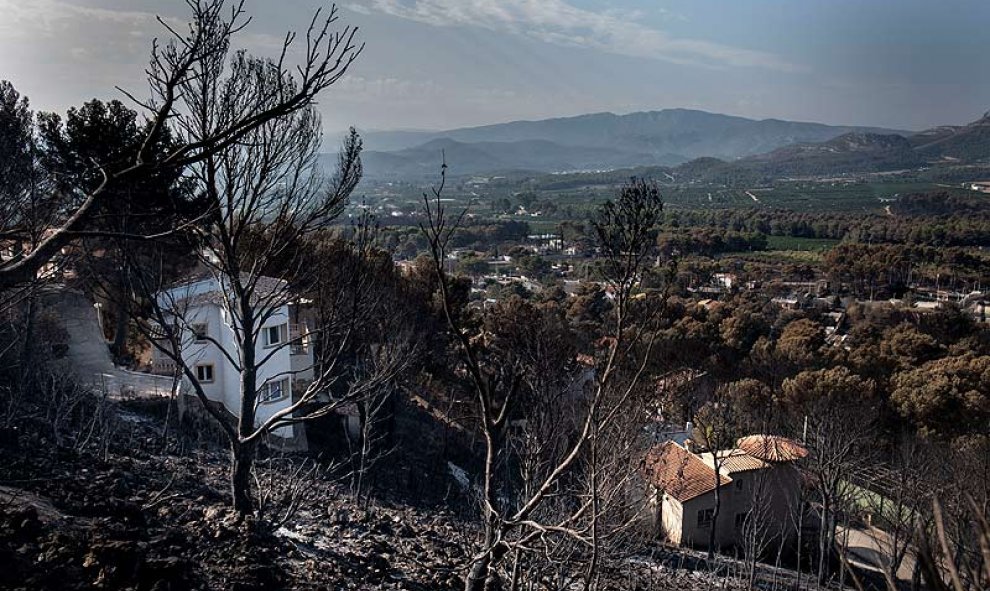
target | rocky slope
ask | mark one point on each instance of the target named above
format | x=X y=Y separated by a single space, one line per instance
x=133 y=508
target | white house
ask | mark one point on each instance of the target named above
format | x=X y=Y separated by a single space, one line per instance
x=208 y=344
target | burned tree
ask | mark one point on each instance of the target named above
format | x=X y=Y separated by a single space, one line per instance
x=267 y=201
x=715 y=426
x=553 y=505
x=835 y=410
x=250 y=140
x=177 y=74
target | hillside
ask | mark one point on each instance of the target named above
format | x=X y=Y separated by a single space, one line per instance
x=965 y=142
x=855 y=152
x=143 y=511
x=851 y=152
x=487 y=157
x=595 y=141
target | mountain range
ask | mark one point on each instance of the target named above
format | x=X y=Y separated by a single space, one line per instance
x=589 y=142
x=696 y=144
x=854 y=152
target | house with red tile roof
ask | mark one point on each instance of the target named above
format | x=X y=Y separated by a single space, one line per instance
x=759 y=489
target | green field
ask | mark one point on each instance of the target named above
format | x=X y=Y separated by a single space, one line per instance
x=801 y=196
x=801 y=257
x=811 y=197
x=800 y=244
x=871 y=195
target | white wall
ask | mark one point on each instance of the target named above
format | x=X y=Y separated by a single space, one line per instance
x=226 y=385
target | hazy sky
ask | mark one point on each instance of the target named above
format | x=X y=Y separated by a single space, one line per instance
x=432 y=64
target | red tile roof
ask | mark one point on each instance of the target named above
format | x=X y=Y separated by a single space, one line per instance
x=679 y=473
x=772 y=448
x=736 y=460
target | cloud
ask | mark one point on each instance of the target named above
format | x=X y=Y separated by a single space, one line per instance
x=557 y=22
x=56 y=18
x=53 y=16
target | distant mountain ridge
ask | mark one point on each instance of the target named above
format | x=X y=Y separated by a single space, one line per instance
x=962 y=142
x=594 y=141
x=849 y=153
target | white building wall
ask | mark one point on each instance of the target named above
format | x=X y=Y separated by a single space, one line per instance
x=225 y=387
x=279 y=367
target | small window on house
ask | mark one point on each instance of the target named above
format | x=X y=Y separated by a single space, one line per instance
x=200 y=331
x=276 y=335
x=274 y=390
x=204 y=372
x=705 y=517
x=739 y=484
x=740 y=520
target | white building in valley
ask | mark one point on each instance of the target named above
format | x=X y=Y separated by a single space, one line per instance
x=210 y=349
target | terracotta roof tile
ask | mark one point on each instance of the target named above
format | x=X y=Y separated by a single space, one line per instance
x=772 y=448
x=735 y=460
x=680 y=473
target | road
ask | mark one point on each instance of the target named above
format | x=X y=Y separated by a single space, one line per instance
x=869 y=547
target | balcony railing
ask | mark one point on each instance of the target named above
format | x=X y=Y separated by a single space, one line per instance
x=299 y=339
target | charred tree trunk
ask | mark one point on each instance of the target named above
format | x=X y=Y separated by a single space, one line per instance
x=715 y=511
x=27 y=349
x=826 y=533
x=240 y=476
x=481 y=577
x=244 y=449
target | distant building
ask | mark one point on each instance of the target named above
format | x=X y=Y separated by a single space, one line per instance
x=980 y=186
x=790 y=302
x=725 y=280
x=757 y=479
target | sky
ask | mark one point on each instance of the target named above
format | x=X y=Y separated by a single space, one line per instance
x=441 y=64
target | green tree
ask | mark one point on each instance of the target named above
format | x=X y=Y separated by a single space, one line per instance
x=474 y=266
x=96 y=138
x=909 y=347
x=946 y=397
x=800 y=343
x=16 y=146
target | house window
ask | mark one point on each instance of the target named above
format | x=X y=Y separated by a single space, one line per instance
x=739 y=484
x=741 y=520
x=200 y=331
x=276 y=335
x=274 y=390
x=204 y=372
x=705 y=517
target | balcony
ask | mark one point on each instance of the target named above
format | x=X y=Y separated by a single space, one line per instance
x=299 y=339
